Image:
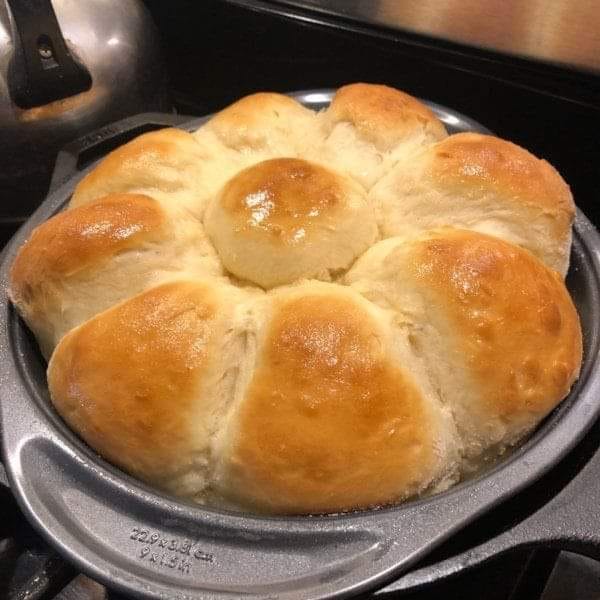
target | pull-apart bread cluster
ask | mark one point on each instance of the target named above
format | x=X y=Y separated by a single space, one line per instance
x=300 y=312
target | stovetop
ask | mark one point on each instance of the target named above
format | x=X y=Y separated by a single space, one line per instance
x=219 y=50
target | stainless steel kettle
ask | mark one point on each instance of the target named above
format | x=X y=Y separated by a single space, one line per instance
x=68 y=67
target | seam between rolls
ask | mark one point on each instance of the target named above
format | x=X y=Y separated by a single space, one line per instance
x=243 y=369
x=436 y=383
x=433 y=381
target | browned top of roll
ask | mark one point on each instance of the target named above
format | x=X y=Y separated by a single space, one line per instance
x=468 y=160
x=257 y=110
x=330 y=421
x=154 y=348
x=383 y=115
x=514 y=320
x=286 y=219
x=73 y=239
x=282 y=196
x=163 y=160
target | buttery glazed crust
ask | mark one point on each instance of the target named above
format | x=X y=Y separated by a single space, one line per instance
x=169 y=165
x=498 y=330
x=280 y=196
x=423 y=329
x=368 y=128
x=86 y=259
x=285 y=219
x=74 y=239
x=518 y=329
x=161 y=347
x=472 y=159
x=480 y=182
x=330 y=421
x=383 y=115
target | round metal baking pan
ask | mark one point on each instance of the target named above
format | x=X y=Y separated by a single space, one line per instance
x=132 y=538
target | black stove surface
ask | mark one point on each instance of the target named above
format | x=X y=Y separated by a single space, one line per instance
x=218 y=51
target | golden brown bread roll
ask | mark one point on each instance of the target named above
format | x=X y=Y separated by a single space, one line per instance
x=337 y=414
x=187 y=267
x=263 y=125
x=498 y=330
x=287 y=219
x=259 y=127
x=181 y=351
x=480 y=182
x=86 y=259
x=369 y=127
x=169 y=165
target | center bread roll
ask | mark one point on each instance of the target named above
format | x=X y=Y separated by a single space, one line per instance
x=287 y=219
x=306 y=312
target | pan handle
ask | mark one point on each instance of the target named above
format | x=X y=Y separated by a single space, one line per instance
x=571 y=519
x=560 y=511
x=81 y=152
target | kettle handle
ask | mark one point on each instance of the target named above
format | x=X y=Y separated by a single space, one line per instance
x=50 y=71
x=85 y=150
